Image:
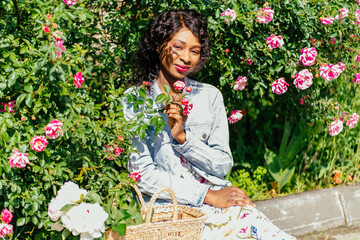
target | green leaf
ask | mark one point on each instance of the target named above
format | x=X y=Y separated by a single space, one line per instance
x=286 y=176
x=67 y=207
x=65 y=233
x=161 y=98
x=94 y=197
x=20 y=98
x=120 y=229
x=28 y=100
x=166 y=88
x=20 y=222
x=142 y=93
x=273 y=164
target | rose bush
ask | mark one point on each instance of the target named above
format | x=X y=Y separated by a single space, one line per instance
x=63 y=69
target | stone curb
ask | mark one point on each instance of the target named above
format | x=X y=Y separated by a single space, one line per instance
x=316 y=210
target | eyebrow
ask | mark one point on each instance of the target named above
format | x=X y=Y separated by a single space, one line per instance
x=199 y=46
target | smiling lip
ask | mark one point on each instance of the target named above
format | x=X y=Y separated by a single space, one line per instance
x=181 y=68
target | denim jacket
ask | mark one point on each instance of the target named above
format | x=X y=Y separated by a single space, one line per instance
x=191 y=168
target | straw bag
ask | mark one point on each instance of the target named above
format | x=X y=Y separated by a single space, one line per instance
x=170 y=222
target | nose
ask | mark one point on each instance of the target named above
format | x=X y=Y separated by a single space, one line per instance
x=185 y=56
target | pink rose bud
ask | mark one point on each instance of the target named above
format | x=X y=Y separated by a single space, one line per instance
x=6 y=216
x=120 y=138
x=55 y=25
x=48 y=15
x=302 y=101
x=179 y=85
x=189 y=89
x=46 y=29
x=227 y=50
x=38 y=143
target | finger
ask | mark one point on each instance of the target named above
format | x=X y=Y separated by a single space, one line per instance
x=240 y=203
x=174 y=105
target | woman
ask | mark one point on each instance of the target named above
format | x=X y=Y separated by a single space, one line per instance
x=192 y=155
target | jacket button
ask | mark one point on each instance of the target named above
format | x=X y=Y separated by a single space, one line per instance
x=204 y=136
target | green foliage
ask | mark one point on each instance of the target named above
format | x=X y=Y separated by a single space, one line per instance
x=101 y=37
x=253 y=184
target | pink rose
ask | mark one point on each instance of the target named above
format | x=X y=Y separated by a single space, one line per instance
x=249 y=62
x=235 y=116
x=53 y=130
x=353 y=120
x=5 y=229
x=357 y=58
x=326 y=21
x=187 y=108
x=185 y=101
x=335 y=127
x=46 y=28
x=179 y=85
x=69 y=2
x=240 y=83
x=329 y=71
x=341 y=67
x=343 y=13
x=357 y=78
x=6 y=216
x=135 y=175
x=120 y=138
x=59 y=43
x=308 y=56
x=78 y=79
x=189 y=89
x=118 y=151
x=274 y=41
x=18 y=159
x=279 y=86
x=230 y=15
x=303 y=79
x=10 y=105
x=265 y=15
x=38 y=143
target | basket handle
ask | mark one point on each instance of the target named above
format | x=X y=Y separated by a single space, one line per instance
x=153 y=199
x=148 y=210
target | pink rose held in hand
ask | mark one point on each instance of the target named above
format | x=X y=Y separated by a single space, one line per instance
x=179 y=85
x=6 y=216
x=18 y=159
x=38 y=143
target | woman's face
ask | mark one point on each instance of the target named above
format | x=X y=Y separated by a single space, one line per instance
x=180 y=55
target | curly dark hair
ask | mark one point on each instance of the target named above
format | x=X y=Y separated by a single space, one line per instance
x=147 y=61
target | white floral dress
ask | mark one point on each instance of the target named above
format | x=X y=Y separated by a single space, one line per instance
x=235 y=222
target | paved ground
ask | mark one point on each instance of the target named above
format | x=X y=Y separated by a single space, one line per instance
x=327 y=214
x=340 y=233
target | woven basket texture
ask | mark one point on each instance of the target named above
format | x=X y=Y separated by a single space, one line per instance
x=170 y=222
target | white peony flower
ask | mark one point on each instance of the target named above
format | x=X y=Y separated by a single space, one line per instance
x=86 y=219
x=69 y=193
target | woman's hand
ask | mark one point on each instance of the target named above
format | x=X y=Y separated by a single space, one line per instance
x=176 y=121
x=227 y=197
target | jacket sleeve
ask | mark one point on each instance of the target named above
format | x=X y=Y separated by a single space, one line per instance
x=213 y=156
